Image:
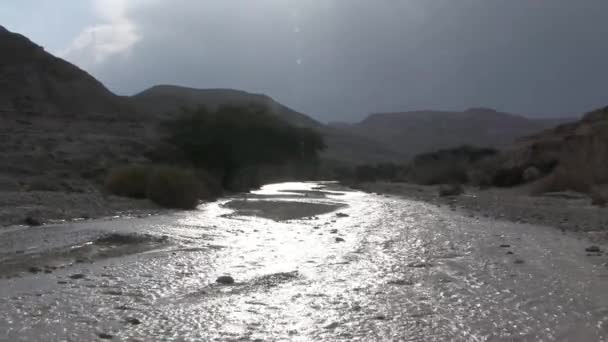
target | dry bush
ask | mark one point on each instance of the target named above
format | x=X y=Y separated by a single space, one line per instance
x=129 y=181
x=177 y=188
x=438 y=173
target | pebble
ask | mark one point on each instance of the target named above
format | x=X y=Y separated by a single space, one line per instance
x=593 y=249
x=30 y=221
x=332 y=325
x=105 y=336
x=133 y=321
x=34 y=269
x=77 y=276
x=225 y=280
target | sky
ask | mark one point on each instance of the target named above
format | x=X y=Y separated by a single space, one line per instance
x=339 y=60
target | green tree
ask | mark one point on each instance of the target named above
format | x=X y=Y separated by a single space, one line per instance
x=235 y=138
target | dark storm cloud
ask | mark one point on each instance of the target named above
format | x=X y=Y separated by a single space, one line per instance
x=341 y=59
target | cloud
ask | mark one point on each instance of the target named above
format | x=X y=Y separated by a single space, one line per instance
x=115 y=36
x=341 y=59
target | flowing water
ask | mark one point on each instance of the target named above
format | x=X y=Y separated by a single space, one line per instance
x=311 y=262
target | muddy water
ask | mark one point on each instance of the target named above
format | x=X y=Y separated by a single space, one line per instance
x=309 y=264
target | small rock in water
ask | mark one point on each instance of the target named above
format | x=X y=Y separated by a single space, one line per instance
x=225 y=280
x=332 y=325
x=105 y=336
x=77 y=276
x=333 y=231
x=34 y=269
x=30 y=221
x=342 y=215
x=380 y=317
x=505 y=246
x=133 y=321
x=339 y=239
x=510 y=253
x=593 y=249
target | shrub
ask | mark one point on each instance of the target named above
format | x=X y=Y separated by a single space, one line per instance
x=174 y=188
x=129 y=181
x=432 y=173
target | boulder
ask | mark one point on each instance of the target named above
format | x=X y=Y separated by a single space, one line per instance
x=450 y=190
x=531 y=174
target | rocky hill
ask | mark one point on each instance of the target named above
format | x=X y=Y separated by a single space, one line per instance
x=574 y=154
x=411 y=133
x=35 y=82
x=59 y=126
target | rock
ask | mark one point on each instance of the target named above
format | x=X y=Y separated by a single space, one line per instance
x=332 y=325
x=34 y=269
x=419 y=264
x=450 y=190
x=531 y=174
x=342 y=215
x=105 y=336
x=510 y=253
x=133 y=321
x=225 y=280
x=339 y=239
x=380 y=317
x=593 y=249
x=334 y=231
x=505 y=246
x=77 y=276
x=33 y=222
x=599 y=199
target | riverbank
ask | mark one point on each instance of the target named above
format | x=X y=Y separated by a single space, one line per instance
x=566 y=211
x=41 y=207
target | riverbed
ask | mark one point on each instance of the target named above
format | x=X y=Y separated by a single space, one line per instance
x=310 y=262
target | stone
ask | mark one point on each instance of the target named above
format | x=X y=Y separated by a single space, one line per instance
x=133 y=321
x=593 y=249
x=446 y=190
x=225 y=280
x=332 y=325
x=33 y=222
x=334 y=231
x=505 y=246
x=34 y=269
x=531 y=174
x=339 y=239
x=105 y=336
x=77 y=276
